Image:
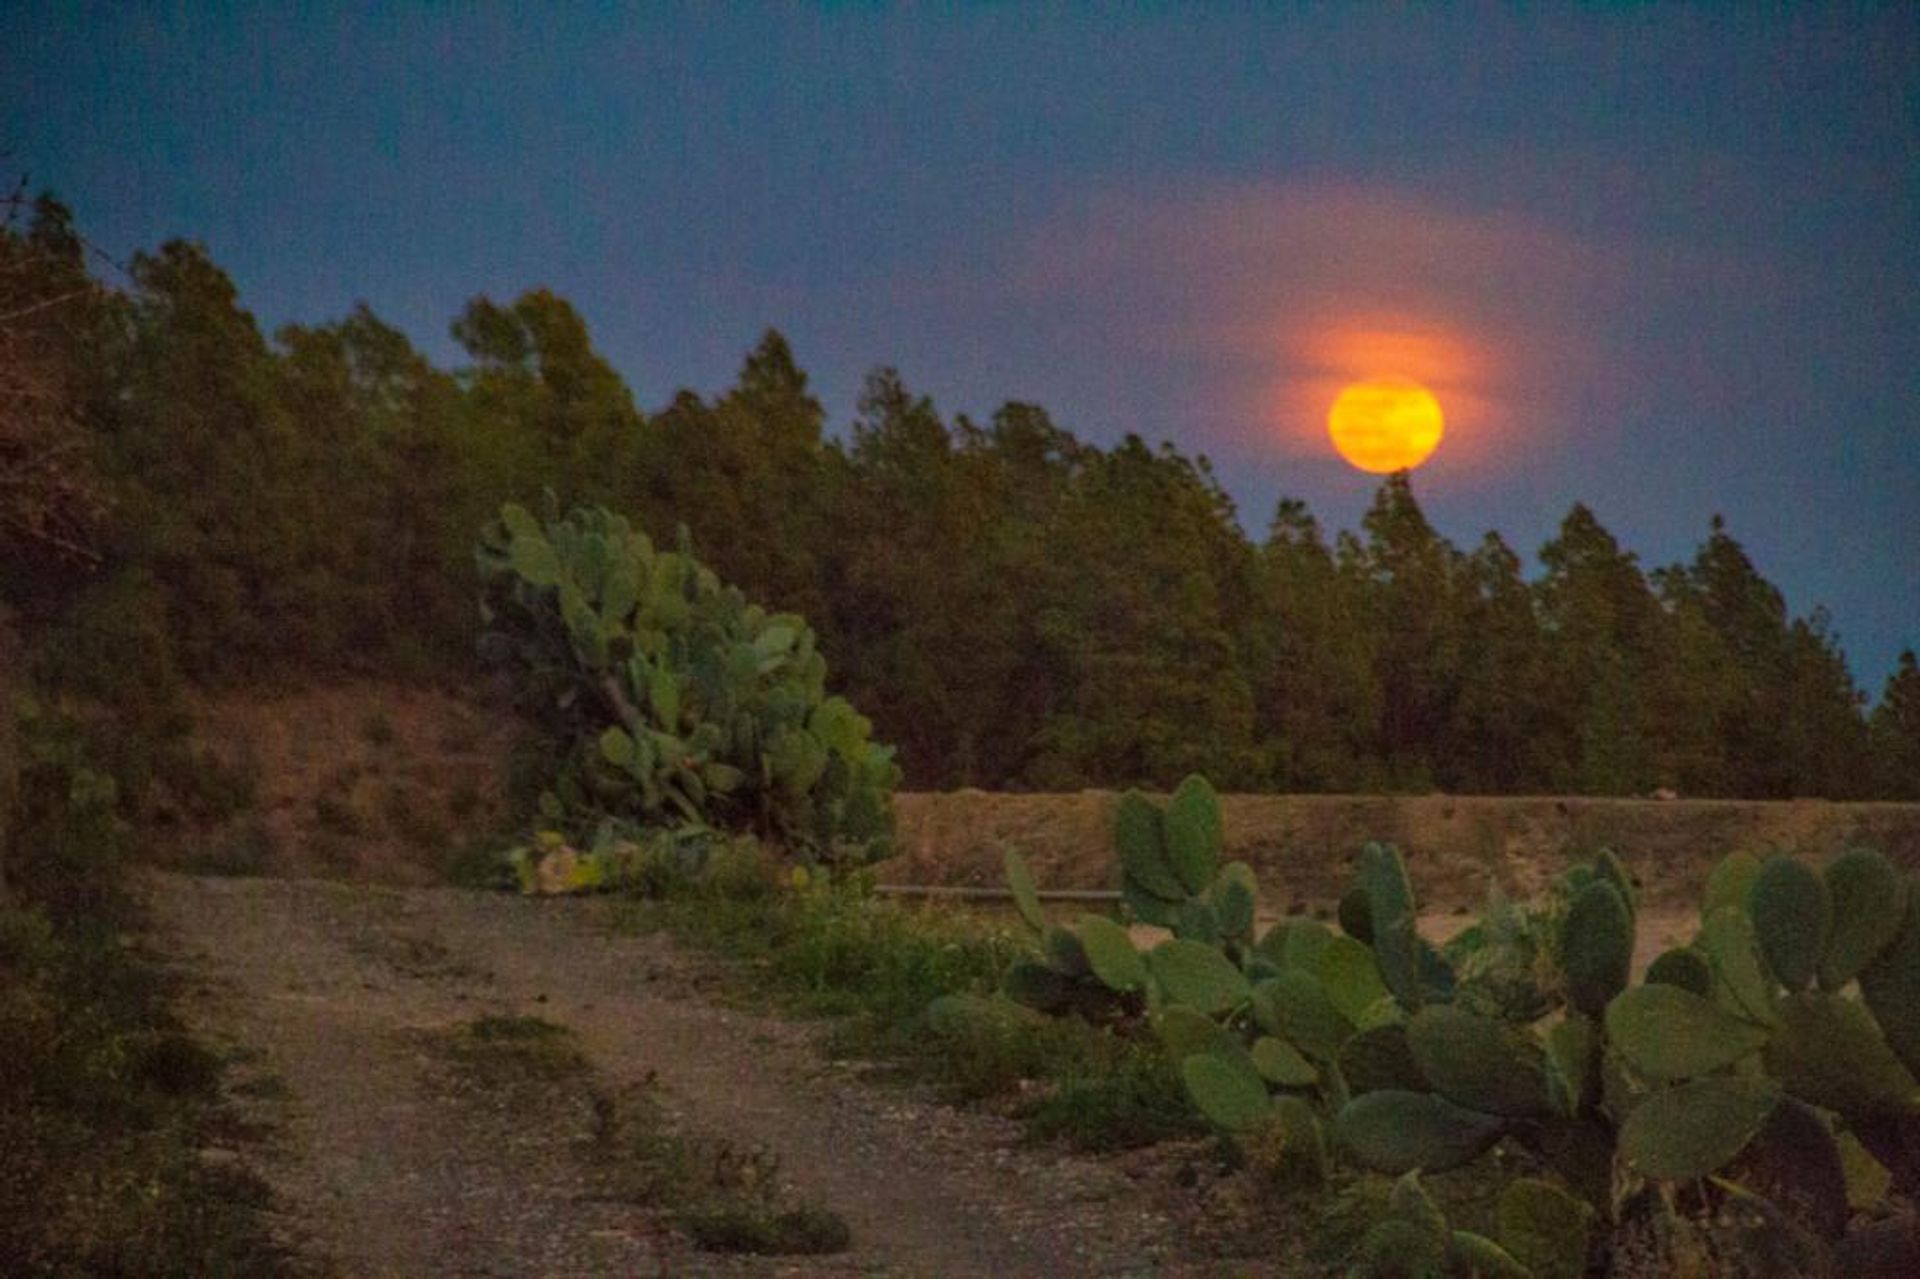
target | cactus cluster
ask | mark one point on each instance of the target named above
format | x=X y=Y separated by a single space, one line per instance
x=676 y=703
x=1540 y=1232
x=1171 y=876
x=1763 y=1074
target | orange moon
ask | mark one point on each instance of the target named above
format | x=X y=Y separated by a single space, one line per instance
x=1386 y=425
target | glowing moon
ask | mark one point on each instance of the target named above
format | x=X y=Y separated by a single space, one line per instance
x=1386 y=425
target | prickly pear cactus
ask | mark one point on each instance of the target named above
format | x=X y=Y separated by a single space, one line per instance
x=674 y=701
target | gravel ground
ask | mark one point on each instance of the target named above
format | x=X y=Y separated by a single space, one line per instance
x=338 y=999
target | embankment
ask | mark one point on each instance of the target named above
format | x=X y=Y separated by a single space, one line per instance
x=1302 y=846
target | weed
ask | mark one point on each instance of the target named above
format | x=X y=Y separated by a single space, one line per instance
x=837 y=950
x=797 y=1232
x=105 y=1102
x=726 y=1198
x=1132 y=1098
x=499 y=1050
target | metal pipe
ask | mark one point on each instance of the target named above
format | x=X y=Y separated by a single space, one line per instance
x=996 y=894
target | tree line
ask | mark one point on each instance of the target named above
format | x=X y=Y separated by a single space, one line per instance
x=184 y=499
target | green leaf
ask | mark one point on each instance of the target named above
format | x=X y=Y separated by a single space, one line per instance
x=1890 y=984
x=1570 y=1045
x=663 y=693
x=1545 y=1229
x=1741 y=984
x=533 y=559
x=1223 y=1094
x=1306 y=938
x=1140 y=839
x=1696 y=1128
x=1480 y=1063
x=722 y=779
x=774 y=641
x=1395 y=1132
x=617 y=748
x=1793 y=917
x=1396 y=946
x=1295 y=1007
x=1193 y=833
x=1869 y=901
x=1596 y=949
x=1867 y=1178
x=1482 y=1258
x=1025 y=898
x=519 y=521
x=1280 y=1062
x=1730 y=883
x=1351 y=977
x=1198 y=975
x=1233 y=898
x=1829 y=1051
x=1410 y=1202
x=1665 y=1032
x=1115 y=961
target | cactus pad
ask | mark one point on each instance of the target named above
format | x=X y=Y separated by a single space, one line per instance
x=1890 y=984
x=1280 y=1062
x=1596 y=947
x=1696 y=1128
x=1545 y=1229
x=1828 y=1051
x=1792 y=917
x=1295 y=1007
x=1741 y=982
x=1730 y=883
x=1139 y=837
x=1482 y=1258
x=1665 y=1032
x=1192 y=973
x=1111 y=954
x=1356 y=915
x=1233 y=898
x=1683 y=967
x=1869 y=901
x=1193 y=833
x=1223 y=1093
x=1351 y=977
x=1025 y=898
x=1379 y=1058
x=1392 y=908
x=1395 y=1132
x=1480 y=1063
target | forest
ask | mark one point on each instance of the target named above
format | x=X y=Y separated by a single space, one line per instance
x=186 y=500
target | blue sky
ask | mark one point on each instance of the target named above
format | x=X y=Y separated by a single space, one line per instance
x=1665 y=261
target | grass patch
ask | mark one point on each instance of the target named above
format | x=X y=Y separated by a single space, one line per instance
x=840 y=951
x=502 y=1050
x=725 y=1198
x=796 y=1232
x=106 y=1106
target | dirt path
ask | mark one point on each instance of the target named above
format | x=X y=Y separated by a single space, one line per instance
x=338 y=993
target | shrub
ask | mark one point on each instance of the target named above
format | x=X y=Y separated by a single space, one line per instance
x=673 y=701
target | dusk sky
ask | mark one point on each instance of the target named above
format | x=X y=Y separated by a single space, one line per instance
x=1664 y=261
